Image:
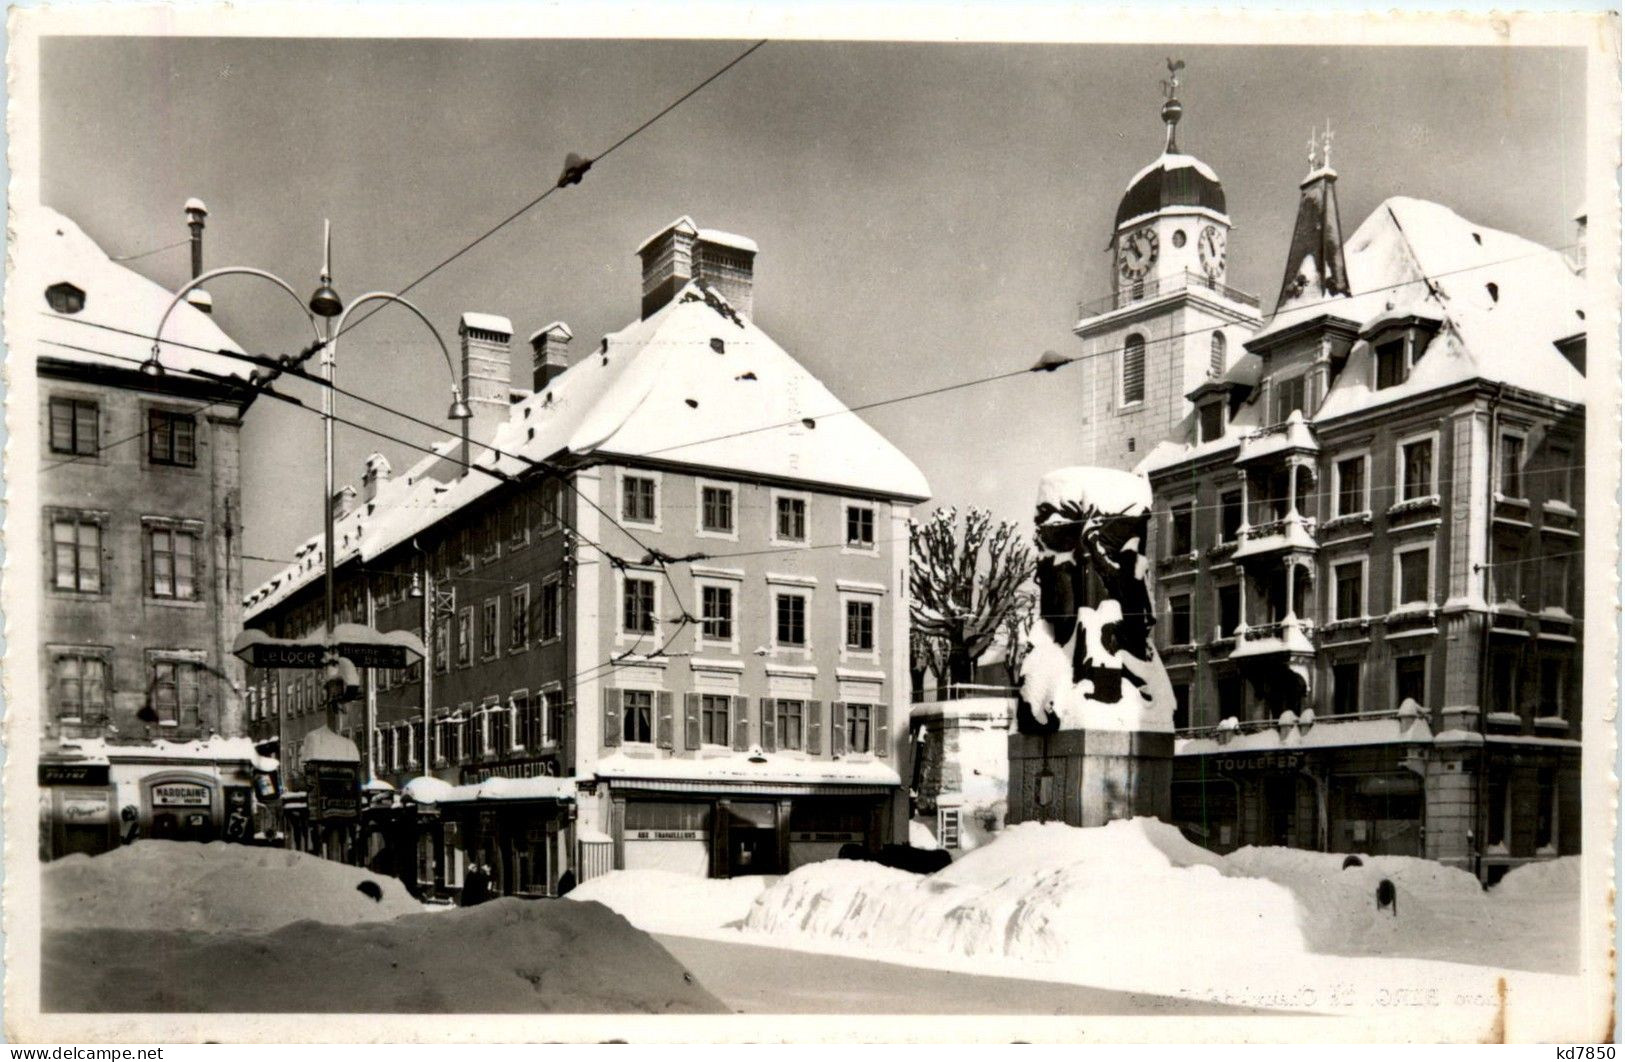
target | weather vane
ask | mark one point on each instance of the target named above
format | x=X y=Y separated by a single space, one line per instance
x=1170 y=85
x=1326 y=149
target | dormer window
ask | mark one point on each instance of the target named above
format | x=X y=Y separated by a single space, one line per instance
x=1210 y=421
x=1286 y=396
x=65 y=298
x=1391 y=364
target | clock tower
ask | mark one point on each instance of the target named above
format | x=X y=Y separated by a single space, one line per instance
x=1170 y=322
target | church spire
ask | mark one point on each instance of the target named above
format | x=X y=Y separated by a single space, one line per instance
x=1315 y=268
x=1171 y=107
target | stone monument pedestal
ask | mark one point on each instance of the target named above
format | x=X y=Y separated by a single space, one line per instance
x=1095 y=776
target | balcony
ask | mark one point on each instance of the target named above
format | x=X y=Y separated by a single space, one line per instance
x=1149 y=290
x=1287 y=637
x=1292 y=532
x=1293 y=435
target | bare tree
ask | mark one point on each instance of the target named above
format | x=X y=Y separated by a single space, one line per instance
x=964 y=583
x=1015 y=634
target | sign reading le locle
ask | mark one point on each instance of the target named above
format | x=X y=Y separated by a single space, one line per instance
x=361 y=646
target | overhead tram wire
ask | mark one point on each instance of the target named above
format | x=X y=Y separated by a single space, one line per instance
x=575 y=169
x=1086 y=357
x=877 y=404
x=297 y=403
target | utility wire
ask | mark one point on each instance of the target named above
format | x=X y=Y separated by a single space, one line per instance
x=575 y=168
x=155 y=250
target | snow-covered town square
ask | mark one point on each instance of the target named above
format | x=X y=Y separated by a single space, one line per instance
x=980 y=541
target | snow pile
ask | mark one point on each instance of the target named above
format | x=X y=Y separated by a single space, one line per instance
x=509 y=956
x=661 y=901
x=1337 y=905
x=1555 y=878
x=1047 y=893
x=920 y=835
x=219 y=887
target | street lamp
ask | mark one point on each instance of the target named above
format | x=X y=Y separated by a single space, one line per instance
x=325 y=304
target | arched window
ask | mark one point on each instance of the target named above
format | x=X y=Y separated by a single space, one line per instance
x=1133 y=369
x=1215 y=367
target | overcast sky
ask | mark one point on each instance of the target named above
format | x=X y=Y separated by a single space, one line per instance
x=927 y=214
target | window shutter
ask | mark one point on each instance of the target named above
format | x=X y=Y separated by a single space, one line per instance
x=691 y=720
x=663 y=719
x=612 y=718
x=837 y=729
x=882 y=730
x=741 y=723
x=766 y=705
x=815 y=727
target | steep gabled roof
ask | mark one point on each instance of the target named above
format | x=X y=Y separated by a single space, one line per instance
x=693 y=384
x=50 y=249
x=1503 y=303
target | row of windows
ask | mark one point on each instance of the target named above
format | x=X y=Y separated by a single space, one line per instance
x=1351 y=488
x=75 y=428
x=717 y=505
x=718 y=615
x=172 y=555
x=638 y=717
x=527 y=723
x=82 y=684
x=1347 y=695
x=539 y=623
x=1412 y=587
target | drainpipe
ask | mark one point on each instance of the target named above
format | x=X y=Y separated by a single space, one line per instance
x=1481 y=819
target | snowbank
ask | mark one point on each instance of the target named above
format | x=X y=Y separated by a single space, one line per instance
x=1046 y=893
x=509 y=956
x=219 y=887
x=920 y=835
x=661 y=901
x=1552 y=877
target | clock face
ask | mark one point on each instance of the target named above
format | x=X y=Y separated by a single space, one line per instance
x=1137 y=254
x=1210 y=249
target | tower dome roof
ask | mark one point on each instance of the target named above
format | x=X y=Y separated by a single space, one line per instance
x=1173 y=180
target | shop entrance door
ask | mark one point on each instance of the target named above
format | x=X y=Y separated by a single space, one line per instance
x=1280 y=810
x=753 y=839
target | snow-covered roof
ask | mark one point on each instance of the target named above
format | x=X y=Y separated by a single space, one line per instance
x=49 y=250
x=509 y=789
x=201 y=750
x=487 y=322
x=324 y=744
x=558 y=327
x=716 y=236
x=740 y=767
x=1173 y=160
x=658 y=389
x=1415 y=257
x=1421 y=259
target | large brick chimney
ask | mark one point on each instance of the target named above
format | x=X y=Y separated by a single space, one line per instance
x=682 y=252
x=549 y=353
x=487 y=376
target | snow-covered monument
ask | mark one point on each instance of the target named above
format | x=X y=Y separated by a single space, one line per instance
x=1094 y=723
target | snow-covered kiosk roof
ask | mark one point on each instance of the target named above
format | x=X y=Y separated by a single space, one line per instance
x=51 y=251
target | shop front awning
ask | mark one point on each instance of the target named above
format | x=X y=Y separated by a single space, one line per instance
x=774 y=789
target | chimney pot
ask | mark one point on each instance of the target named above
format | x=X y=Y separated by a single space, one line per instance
x=682 y=252
x=549 y=356
x=486 y=376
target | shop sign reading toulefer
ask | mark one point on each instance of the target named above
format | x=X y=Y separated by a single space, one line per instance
x=180 y=795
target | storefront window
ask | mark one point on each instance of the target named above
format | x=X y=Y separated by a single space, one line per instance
x=1546 y=812
x=1498 y=799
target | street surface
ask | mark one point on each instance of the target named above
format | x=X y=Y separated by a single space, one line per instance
x=762 y=980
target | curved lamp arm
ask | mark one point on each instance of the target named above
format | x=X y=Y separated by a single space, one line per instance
x=385 y=296
x=158 y=336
